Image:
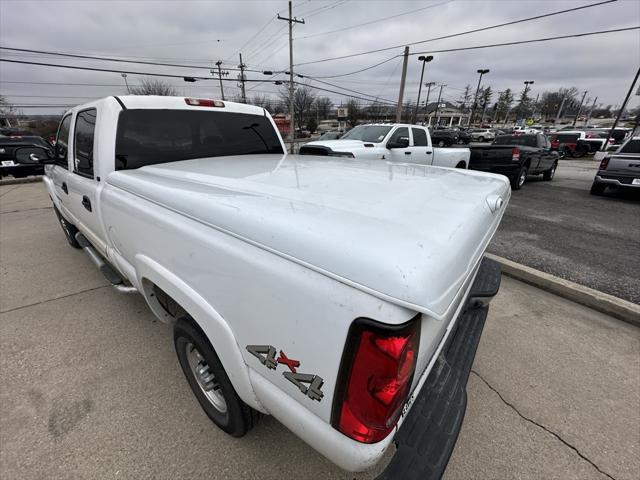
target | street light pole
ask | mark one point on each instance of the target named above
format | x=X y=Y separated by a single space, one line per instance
x=426 y=103
x=475 y=98
x=124 y=75
x=424 y=61
x=524 y=96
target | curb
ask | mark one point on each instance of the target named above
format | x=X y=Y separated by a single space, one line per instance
x=17 y=181
x=602 y=302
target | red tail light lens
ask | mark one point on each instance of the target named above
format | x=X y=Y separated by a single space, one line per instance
x=375 y=378
x=515 y=154
x=203 y=102
x=604 y=163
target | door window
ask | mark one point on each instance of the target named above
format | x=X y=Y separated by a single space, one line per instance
x=419 y=137
x=62 y=142
x=83 y=142
x=402 y=132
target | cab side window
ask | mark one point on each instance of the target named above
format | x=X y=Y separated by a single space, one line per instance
x=83 y=142
x=62 y=142
x=419 y=137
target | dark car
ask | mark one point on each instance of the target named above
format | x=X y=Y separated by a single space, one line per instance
x=443 y=138
x=331 y=136
x=517 y=157
x=26 y=166
x=620 y=169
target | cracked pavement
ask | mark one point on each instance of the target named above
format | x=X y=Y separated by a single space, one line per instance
x=90 y=386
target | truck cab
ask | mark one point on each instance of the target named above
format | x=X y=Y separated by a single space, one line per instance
x=398 y=143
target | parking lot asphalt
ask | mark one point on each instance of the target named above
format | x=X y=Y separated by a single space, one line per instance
x=559 y=228
x=90 y=386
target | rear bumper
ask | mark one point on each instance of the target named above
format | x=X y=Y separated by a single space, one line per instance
x=507 y=170
x=428 y=434
x=616 y=180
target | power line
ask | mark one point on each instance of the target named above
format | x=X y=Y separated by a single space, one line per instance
x=384 y=19
x=324 y=8
x=338 y=93
x=520 y=42
x=252 y=38
x=513 y=22
x=94 y=69
x=109 y=59
x=373 y=97
x=359 y=71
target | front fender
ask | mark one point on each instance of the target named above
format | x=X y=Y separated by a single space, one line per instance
x=216 y=329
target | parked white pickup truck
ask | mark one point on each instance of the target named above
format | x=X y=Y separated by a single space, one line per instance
x=399 y=143
x=345 y=297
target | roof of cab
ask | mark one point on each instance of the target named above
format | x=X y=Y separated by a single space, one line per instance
x=172 y=103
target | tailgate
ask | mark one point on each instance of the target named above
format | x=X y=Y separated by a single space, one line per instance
x=483 y=158
x=627 y=165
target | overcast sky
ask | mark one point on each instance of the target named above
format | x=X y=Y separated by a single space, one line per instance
x=201 y=32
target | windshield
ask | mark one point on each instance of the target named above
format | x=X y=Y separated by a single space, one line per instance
x=367 y=133
x=148 y=137
x=525 y=140
x=632 y=146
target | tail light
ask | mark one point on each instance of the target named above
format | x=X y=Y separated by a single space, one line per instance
x=515 y=154
x=203 y=102
x=604 y=163
x=375 y=378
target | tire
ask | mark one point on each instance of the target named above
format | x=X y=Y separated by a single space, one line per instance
x=549 y=174
x=68 y=228
x=579 y=153
x=517 y=181
x=221 y=404
x=461 y=165
x=597 y=188
x=481 y=139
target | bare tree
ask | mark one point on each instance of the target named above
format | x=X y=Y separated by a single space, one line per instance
x=154 y=86
x=354 y=112
x=7 y=112
x=303 y=100
x=262 y=101
x=323 y=107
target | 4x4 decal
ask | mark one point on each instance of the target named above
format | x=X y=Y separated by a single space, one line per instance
x=310 y=385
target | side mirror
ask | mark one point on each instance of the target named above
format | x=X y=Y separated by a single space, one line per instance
x=32 y=155
x=402 y=142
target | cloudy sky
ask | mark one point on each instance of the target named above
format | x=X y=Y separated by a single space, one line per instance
x=202 y=32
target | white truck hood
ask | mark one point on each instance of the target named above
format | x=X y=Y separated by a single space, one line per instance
x=341 y=145
x=409 y=234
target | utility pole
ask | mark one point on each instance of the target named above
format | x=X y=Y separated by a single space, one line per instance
x=442 y=85
x=219 y=63
x=535 y=106
x=624 y=104
x=242 y=67
x=426 y=103
x=564 y=99
x=291 y=19
x=579 y=109
x=593 y=106
x=402 y=82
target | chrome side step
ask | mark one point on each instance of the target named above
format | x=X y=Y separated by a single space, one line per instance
x=105 y=268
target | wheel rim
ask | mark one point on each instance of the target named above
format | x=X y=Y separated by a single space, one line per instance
x=205 y=378
x=522 y=178
x=441 y=143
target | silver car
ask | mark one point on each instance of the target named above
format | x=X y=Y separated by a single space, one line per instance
x=619 y=169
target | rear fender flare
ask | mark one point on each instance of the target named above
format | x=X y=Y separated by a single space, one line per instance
x=217 y=330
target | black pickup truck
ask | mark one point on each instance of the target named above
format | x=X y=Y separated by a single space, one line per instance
x=517 y=157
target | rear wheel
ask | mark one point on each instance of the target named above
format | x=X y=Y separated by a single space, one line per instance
x=209 y=381
x=597 y=188
x=549 y=174
x=517 y=181
x=461 y=165
x=481 y=139
x=68 y=228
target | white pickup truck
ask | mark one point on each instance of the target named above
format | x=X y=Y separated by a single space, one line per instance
x=398 y=143
x=344 y=297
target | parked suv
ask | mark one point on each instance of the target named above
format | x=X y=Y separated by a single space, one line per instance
x=482 y=135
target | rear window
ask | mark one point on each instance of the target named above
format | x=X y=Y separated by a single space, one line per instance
x=567 y=137
x=148 y=137
x=524 y=140
x=632 y=146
